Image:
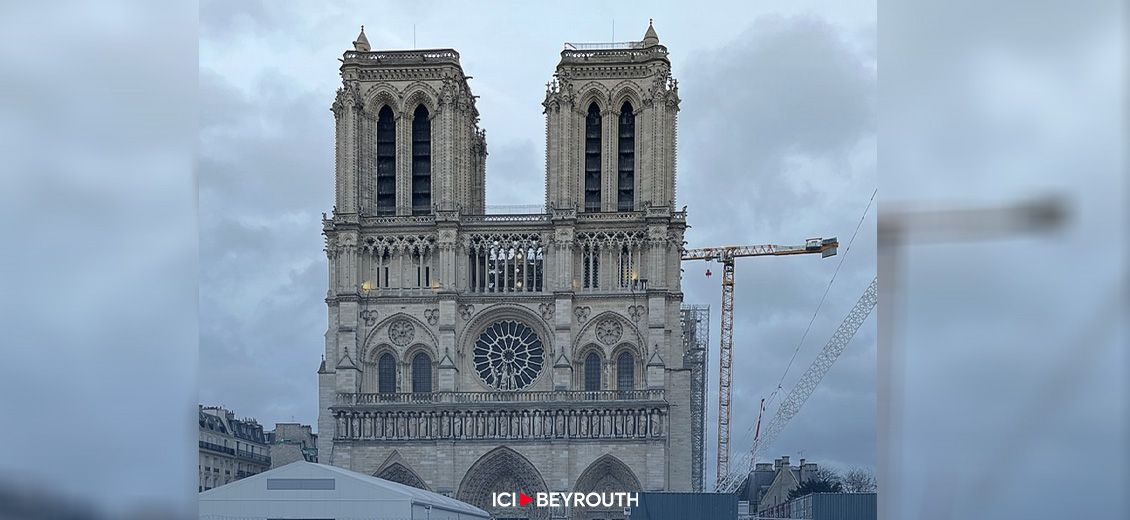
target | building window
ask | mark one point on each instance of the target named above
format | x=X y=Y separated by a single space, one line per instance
x=590 y=268
x=626 y=163
x=421 y=162
x=386 y=162
x=423 y=269
x=506 y=264
x=592 y=372
x=628 y=268
x=376 y=265
x=625 y=371
x=386 y=374
x=421 y=373
x=508 y=355
x=592 y=159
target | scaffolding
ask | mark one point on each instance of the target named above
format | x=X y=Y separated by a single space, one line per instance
x=695 y=320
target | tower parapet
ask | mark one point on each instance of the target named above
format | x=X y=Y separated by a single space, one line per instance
x=408 y=136
x=610 y=127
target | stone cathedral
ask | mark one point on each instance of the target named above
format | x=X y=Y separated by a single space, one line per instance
x=470 y=351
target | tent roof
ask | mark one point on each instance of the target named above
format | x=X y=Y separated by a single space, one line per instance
x=371 y=487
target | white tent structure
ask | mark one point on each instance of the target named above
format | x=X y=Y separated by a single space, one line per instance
x=308 y=491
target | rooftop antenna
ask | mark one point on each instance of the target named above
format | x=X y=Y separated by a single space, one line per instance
x=413 y=36
x=613 y=29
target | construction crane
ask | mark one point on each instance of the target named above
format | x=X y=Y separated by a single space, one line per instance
x=805 y=386
x=726 y=255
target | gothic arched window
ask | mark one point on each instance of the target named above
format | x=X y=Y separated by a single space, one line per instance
x=592 y=159
x=386 y=162
x=421 y=162
x=626 y=165
x=421 y=373
x=625 y=371
x=386 y=374
x=592 y=372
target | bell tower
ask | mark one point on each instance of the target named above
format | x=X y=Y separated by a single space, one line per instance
x=408 y=140
x=466 y=351
x=610 y=113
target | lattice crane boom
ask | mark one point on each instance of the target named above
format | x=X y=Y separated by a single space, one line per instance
x=807 y=384
x=726 y=255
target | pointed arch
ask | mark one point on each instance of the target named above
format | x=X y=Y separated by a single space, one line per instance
x=631 y=333
x=502 y=311
x=420 y=93
x=379 y=333
x=626 y=158
x=380 y=96
x=593 y=144
x=369 y=359
x=386 y=161
x=607 y=473
x=421 y=187
x=626 y=364
x=502 y=469
x=628 y=375
x=422 y=366
x=386 y=373
x=399 y=473
x=589 y=363
x=591 y=371
x=593 y=92
x=626 y=91
x=396 y=469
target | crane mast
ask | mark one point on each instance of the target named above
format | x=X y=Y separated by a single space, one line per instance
x=805 y=386
x=725 y=255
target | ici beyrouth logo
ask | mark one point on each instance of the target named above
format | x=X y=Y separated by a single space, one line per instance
x=567 y=499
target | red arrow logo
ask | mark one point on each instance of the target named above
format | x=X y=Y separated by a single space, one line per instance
x=524 y=499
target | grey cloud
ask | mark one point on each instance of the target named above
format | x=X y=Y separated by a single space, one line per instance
x=777 y=144
x=789 y=89
x=266 y=173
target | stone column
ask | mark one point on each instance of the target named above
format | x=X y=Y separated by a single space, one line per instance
x=609 y=152
x=343 y=119
x=403 y=162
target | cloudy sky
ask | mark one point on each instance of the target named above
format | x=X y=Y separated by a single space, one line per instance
x=776 y=144
x=174 y=182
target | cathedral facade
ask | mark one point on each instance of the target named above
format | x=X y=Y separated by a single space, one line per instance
x=470 y=352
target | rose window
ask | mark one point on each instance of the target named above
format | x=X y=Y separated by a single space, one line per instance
x=508 y=355
x=401 y=332
x=609 y=331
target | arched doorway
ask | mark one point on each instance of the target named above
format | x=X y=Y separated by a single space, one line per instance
x=605 y=475
x=397 y=472
x=503 y=470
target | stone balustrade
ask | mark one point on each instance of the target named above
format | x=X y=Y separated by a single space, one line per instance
x=548 y=396
x=404 y=56
x=598 y=422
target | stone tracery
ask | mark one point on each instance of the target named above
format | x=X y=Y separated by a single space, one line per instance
x=508 y=355
x=578 y=278
x=502 y=469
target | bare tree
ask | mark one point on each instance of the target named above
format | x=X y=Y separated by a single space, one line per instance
x=827 y=475
x=859 y=480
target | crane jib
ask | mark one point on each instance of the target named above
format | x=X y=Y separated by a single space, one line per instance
x=726 y=255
